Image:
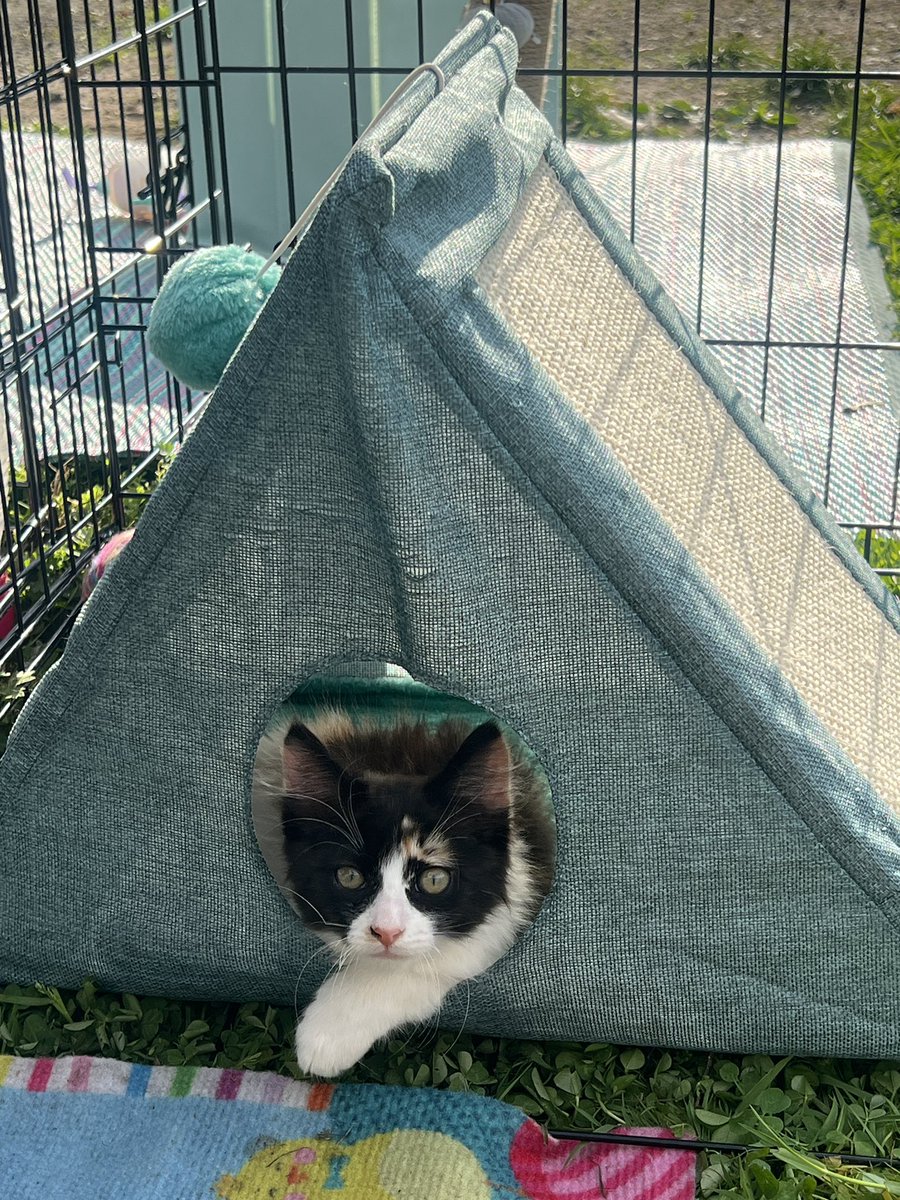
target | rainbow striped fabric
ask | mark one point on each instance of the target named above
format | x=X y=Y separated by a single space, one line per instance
x=108 y=1129
x=109 y=1077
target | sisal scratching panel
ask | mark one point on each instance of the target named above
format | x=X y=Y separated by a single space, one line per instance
x=622 y=373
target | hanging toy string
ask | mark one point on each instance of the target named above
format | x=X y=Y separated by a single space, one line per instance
x=211 y=297
x=305 y=219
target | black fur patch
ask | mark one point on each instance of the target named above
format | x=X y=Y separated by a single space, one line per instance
x=338 y=811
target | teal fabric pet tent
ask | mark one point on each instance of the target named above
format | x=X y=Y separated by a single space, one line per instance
x=469 y=435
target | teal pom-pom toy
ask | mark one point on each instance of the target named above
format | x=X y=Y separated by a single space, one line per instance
x=205 y=306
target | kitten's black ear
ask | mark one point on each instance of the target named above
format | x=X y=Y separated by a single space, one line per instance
x=481 y=769
x=307 y=769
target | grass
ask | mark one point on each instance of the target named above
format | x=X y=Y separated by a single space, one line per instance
x=733 y=52
x=740 y=106
x=594 y=113
x=820 y=56
x=884 y=552
x=788 y=1107
x=878 y=176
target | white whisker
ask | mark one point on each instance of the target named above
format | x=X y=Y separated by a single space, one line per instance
x=349 y=825
x=350 y=815
x=316 y=845
x=306 y=900
x=465 y=1017
x=315 y=954
x=322 y=821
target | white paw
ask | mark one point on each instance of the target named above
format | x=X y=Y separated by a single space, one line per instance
x=325 y=1046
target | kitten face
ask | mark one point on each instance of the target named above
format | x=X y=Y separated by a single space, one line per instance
x=388 y=865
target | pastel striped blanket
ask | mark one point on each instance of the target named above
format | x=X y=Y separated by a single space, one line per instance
x=74 y=1127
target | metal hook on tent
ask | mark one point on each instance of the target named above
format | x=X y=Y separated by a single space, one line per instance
x=305 y=219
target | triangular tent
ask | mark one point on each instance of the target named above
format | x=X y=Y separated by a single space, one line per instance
x=468 y=435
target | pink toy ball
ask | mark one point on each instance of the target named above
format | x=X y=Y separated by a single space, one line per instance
x=7 y=608
x=104 y=556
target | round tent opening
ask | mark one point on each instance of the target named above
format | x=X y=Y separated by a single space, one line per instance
x=370 y=759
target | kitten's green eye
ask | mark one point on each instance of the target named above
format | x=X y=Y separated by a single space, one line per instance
x=434 y=880
x=349 y=878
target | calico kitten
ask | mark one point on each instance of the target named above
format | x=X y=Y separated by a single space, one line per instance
x=417 y=853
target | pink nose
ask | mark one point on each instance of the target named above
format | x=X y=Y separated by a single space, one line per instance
x=387 y=937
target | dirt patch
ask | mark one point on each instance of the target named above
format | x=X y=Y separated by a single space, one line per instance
x=601 y=32
x=111 y=97
x=672 y=36
x=822 y=37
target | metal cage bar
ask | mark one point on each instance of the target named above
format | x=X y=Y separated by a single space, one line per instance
x=118 y=155
x=93 y=107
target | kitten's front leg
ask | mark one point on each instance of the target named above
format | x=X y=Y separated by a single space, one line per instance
x=356 y=1007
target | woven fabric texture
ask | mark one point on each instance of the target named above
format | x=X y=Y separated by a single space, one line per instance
x=387 y=474
x=97 y=1127
x=694 y=464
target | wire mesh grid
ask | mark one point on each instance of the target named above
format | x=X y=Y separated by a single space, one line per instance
x=95 y=175
x=728 y=143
